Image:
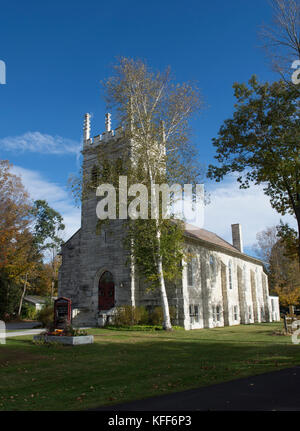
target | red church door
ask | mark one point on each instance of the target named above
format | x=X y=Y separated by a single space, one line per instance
x=106 y=291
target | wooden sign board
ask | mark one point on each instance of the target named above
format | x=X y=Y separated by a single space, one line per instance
x=62 y=312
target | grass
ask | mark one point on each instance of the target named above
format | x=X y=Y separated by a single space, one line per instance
x=127 y=365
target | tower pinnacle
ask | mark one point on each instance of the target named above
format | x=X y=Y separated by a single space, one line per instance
x=86 y=127
x=108 y=122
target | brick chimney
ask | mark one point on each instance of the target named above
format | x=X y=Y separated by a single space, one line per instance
x=237 y=240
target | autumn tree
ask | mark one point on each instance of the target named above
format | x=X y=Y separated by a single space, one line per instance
x=261 y=143
x=42 y=283
x=14 y=212
x=274 y=248
x=48 y=226
x=290 y=238
x=18 y=256
x=284 y=275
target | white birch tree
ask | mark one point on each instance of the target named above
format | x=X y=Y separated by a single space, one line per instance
x=155 y=113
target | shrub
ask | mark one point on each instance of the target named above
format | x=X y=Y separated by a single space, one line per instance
x=29 y=311
x=124 y=316
x=45 y=316
x=142 y=316
x=128 y=316
x=156 y=316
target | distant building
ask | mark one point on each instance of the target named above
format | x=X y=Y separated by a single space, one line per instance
x=37 y=301
x=220 y=286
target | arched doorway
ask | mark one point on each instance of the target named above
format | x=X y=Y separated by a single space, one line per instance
x=106 y=291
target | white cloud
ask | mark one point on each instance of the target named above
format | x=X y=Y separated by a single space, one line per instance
x=58 y=198
x=37 y=142
x=251 y=208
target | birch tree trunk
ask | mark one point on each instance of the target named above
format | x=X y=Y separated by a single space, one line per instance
x=163 y=293
x=164 y=299
x=22 y=296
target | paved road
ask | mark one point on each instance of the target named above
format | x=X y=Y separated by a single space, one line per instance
x=25 y=332
x=22 y=325
x=22 y=328
x=279 y=390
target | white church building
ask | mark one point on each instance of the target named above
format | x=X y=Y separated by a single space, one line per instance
x=220 y=285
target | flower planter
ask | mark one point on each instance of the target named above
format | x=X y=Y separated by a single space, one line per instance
x=64 y=339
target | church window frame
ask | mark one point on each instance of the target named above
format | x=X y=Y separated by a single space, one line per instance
x=214 y=313
x=212 y=265
x=95 y=175
x=194 y=313
x=249 y=312
x=230 y=275
x=190 y=271
x=245 y=277
x=235 y=313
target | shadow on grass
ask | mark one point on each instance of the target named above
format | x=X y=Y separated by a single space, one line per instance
x=116 y=370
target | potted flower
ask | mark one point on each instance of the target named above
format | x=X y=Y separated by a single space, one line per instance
x=67 y=335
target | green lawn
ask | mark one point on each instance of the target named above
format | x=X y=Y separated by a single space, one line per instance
x=127 y=365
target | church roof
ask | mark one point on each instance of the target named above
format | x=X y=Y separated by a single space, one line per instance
x=211 y=238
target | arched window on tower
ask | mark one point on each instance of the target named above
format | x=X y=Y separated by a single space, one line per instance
x=95 y=176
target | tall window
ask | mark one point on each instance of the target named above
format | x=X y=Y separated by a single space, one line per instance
x=194 y=313
x=191 y=314
x=230 y=274
x=214 y=314
x=272 y=304
x=245 y=277
x=235 y=312
x=249 y=312
x=212 y=264
x=190 y=274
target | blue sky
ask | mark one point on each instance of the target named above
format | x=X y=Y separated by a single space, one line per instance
x=57 y=52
